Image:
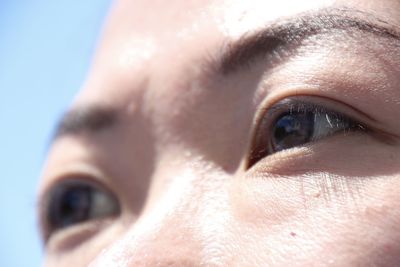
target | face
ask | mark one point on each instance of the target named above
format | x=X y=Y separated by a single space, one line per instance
x=225 y=133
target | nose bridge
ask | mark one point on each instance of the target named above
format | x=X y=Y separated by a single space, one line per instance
x=166 y=234
x=168 y=243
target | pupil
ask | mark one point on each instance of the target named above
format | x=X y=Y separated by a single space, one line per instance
x=71 y=206
x=292 y=130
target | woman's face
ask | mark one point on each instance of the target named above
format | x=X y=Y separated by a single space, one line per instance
x=232 y=133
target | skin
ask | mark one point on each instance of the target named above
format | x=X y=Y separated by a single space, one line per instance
x=176 y=157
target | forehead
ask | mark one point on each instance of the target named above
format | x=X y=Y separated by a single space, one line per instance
x=161 y=17
x=154 y=41
x=142 y=36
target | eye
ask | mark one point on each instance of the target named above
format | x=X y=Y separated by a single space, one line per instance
x=73 y=202
x=294 y=122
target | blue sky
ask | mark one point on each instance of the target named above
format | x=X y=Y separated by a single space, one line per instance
x=45 y=50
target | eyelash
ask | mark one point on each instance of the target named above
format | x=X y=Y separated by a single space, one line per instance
x=262 y=146
x=53 y=209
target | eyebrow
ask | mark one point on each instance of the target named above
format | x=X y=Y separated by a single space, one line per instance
x=283 y=37
x=78 y=120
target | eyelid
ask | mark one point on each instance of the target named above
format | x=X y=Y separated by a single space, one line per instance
x=328 y=104
x=310 y=103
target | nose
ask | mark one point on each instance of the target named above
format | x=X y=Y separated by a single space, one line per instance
x=166 y=234
x=167 y=244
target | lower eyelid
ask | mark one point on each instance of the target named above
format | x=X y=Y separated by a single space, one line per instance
x=310 y=158
x=384 y=137
x=73 y=237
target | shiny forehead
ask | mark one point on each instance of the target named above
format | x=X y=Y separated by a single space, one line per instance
x=138 y=31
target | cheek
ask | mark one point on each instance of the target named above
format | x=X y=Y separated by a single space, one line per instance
x=319 y=217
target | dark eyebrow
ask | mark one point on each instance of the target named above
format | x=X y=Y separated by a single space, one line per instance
x=85 y=119
x=288 y=35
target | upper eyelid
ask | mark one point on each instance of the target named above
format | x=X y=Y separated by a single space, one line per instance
x=302 y=106
x=289 y=105
x=91 y=171
x=315 y=102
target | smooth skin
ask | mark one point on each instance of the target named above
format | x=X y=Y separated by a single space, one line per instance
x=175 y=155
